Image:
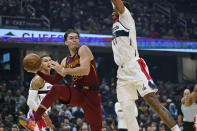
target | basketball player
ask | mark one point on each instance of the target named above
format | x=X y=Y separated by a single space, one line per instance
x=133 y=74
x=84 y=91
x=122 y=126
x=38 y=90
x=188 y=110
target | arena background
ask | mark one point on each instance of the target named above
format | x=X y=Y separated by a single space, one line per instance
x=167 y=40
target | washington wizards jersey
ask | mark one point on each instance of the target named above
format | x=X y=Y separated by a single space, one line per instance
x=42 y=91
x=124 y=44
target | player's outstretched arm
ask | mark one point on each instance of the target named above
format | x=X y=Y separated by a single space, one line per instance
x=52 y=79
x=118 y=5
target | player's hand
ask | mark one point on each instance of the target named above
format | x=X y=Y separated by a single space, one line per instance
x=58 y=68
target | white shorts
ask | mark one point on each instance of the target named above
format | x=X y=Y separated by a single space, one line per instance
x=132 y=77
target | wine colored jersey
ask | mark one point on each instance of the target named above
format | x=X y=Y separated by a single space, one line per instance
x=88 y=80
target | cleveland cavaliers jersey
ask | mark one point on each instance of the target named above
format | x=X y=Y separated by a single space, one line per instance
x=87 y=80
x=124 y=44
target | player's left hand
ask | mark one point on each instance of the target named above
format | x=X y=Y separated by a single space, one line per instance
x=58 y=68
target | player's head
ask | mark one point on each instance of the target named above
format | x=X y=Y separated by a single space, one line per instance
x=186 y=92
x=45 y=62
x=115 y=14
x=71 y=39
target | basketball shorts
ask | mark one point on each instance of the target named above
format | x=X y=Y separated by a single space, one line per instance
x=134 y=77
x=90 y=101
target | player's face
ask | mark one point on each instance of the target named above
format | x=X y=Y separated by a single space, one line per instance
x=186 y=93
x=46 y=63
x=115 y=14
x=72 y=41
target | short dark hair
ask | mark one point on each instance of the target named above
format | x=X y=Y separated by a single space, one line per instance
x=44 y=56
x=127 y=5
x=68 y=32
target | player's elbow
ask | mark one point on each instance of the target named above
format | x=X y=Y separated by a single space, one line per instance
x=28 y=102
x=87 y=71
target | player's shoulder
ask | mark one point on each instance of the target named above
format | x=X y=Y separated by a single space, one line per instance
x=84 y=48
x=36 y=83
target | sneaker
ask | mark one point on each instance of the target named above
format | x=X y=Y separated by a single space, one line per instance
x=28 y=124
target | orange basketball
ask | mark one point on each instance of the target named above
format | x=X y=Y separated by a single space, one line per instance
x=31 y=62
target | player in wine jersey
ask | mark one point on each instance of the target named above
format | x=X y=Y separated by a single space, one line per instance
x=133 y=74
x=38 y=90
x=83 y=92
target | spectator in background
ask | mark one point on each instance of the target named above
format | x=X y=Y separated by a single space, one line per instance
x=173 y=111
x=84 y=127
x=187 y=111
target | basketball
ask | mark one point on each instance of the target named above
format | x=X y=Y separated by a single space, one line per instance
x=31 y=62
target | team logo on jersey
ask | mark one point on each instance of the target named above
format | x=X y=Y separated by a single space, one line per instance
x=152 y=85
x=144 y=88
x=49 y=87
x=115 y=28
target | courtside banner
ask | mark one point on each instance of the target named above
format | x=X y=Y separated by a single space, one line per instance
x=57 y=38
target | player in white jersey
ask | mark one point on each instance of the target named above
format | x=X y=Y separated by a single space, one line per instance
x=133 y=74
x=38 y=90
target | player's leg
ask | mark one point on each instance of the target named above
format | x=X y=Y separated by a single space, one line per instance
x=92 y=110
x=129 y=115
x=147 y=89
x=122 y=125
x=127 y=94
x=57 y=91
x=61 y=92
x=164 y=114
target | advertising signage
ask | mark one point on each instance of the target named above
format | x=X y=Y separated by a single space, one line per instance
x=57 y=38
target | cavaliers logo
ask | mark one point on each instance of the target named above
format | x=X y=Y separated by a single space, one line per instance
x=75 y=78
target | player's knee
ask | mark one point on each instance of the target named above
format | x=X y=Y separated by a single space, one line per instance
x=128 y=108
x=149 y=98
x=55 y=89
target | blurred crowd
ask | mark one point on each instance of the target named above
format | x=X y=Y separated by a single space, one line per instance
x=175 y=19
x=13 y=104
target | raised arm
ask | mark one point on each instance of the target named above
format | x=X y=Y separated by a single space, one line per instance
x=194 y=94
x=118 y=5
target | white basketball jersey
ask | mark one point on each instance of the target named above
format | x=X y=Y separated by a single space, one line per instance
x=124 y=42
x=42 y=92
